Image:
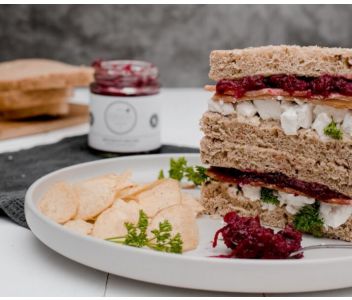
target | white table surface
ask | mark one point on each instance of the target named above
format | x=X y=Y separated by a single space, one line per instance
x=29 y=268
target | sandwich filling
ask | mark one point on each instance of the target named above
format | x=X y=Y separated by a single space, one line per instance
x=276 y=190
x=308 y=87
x=328 y=122
x=279 y=181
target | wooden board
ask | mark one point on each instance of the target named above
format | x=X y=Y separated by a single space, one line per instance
x=79 y=114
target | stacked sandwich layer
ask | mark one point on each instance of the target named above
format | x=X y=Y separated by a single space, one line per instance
x=278 y=137
x=35 y=87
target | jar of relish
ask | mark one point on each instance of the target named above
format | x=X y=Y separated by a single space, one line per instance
x=125 y=107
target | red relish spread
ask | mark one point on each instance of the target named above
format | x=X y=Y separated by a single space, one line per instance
x=323 y=85
x=248 y=239
x=279 y=180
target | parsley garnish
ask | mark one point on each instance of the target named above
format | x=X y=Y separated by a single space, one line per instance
x=308 y=220
x=161 y=174
x=179 y=170
x=268 y=196
x=333 y=131
x=161 y=241
x=196 y=174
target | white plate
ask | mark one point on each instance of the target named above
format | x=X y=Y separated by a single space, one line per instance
x=319 y=270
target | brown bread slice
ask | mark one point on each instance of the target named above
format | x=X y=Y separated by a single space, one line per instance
x=54 y=110
x=217 y=202
x=230 y=154
x=39 y=74
x=282 y=59
x=17 y=99
x=269 y=135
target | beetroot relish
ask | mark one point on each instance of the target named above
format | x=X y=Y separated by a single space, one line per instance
x=248 y=239
x=311 y=189
x=323 y=85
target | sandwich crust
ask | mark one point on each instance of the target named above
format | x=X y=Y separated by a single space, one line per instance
x=283 y=59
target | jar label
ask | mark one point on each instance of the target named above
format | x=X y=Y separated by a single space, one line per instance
x=124 y=124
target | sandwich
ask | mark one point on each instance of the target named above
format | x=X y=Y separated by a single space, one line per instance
x=17 y=99
x=278 y=137
x=42 y=74
x=17 y=104
x=37 y=87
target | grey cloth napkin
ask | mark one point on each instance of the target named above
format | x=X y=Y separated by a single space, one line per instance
x=18 y=170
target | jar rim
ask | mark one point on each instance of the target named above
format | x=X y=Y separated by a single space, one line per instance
x=126 y=68
x=123 y=62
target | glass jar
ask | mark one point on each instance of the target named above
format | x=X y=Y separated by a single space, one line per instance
x=125 y=107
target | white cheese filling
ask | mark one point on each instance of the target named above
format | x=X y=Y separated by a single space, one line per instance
x=332 y=215
x=251 y=192
x=292 y=202
x=268 y=206
x=221 y=107
x=293 y=115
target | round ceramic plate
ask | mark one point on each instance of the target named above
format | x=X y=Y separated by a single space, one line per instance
x=318 y=270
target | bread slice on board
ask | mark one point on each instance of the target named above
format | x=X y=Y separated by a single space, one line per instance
x=55 y=110
x=39 y=74
x=283 y=59
x=16 y=99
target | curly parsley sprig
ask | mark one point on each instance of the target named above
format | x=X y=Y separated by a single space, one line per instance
x=162 y=240
x=268 y=196
x=308 y=220
x=333 y=131
x=179 y=170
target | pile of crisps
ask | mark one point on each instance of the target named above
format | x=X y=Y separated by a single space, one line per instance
x=101 y=206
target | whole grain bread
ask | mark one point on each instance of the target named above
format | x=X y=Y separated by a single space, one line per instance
x=39 y=74
x=229 y=154
x=268 y=134
x=217 y=201
x=17 y=99
x=282 y=59
x=54 y=110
